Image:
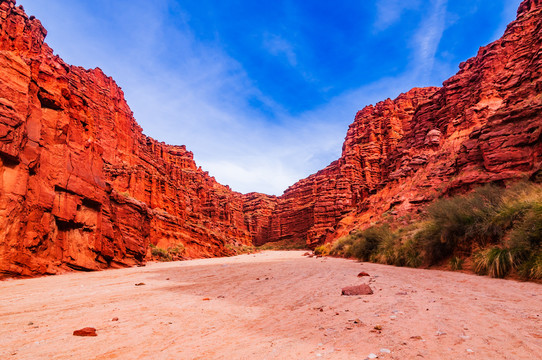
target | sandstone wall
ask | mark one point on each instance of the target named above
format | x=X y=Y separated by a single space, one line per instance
x=82 y=187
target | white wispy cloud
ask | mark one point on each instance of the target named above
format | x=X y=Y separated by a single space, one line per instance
x=427 y=38
x=388 y=12
x=200 y=97
x=278 y=46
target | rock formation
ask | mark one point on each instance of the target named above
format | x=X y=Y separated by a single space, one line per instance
x=81 y=187
x=484 y=125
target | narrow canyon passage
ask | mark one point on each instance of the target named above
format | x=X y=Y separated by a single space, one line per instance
x=271 y=305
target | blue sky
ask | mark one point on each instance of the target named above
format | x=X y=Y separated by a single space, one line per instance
x=263 y=91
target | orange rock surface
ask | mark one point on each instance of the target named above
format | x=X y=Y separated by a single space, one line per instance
x=82 y=187
x=483 y=125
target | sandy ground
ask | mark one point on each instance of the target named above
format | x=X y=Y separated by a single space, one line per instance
x=272 y=305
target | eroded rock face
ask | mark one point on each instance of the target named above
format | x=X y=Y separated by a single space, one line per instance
x=484 y=125
x=81 y=187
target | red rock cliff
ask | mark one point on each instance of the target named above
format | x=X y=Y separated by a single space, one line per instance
x=81 y=187
x=484 y=125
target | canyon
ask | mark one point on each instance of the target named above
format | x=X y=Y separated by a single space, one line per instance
x=81 y=186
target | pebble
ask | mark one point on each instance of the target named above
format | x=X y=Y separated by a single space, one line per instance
x=140 y=284
x=372 y=356
x=385 y=351
x=470 y=350
x=88 y=331
x=440 y=333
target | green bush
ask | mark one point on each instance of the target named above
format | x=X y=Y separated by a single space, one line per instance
x=532 y=267
x=342 y=246
x=506 y=223
x=363 y=244
x=177 y=249
x=461 y=222
x=456 y=263
x=162 y=254
x=174 y=252
x=239 y=249
x=494 y=261
x=322 y=250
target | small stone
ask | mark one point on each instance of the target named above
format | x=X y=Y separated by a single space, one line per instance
x=440 y=333
x=362 y=274
x=416 y=337
x=362 y=289
x=30 y=323
x=393 y=317
x=378 y=327
x=470 y=350
x=140 y=284
x=88 y=331
x=115 y=319
x=385 y=351
x=372 y=356
x=206 y=299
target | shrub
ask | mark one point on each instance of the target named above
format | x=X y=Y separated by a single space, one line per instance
x=322 y=250
x=494 y=261
x=368 y=241
x=174 y=252
x=456 y=263
x=284 y=245
x=239 y=249
x=162 y=254
x=505 y=223
x=458 y=223
x=531 y=269
x=342 y=246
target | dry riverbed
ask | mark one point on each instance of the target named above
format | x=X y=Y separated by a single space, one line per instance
x=271 y=305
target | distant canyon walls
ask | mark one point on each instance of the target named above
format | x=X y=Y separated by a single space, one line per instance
x=81 y=187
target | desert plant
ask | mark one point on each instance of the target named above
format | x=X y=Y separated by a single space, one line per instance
x=176 y=250
x=162 y=254
x=456 y=263
x=342 y=246
x=239 y=249
x=367 y=241
x=531 y=269
x=284 y=245
x=494 y=261
x=322 y=250
x=458 y=223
